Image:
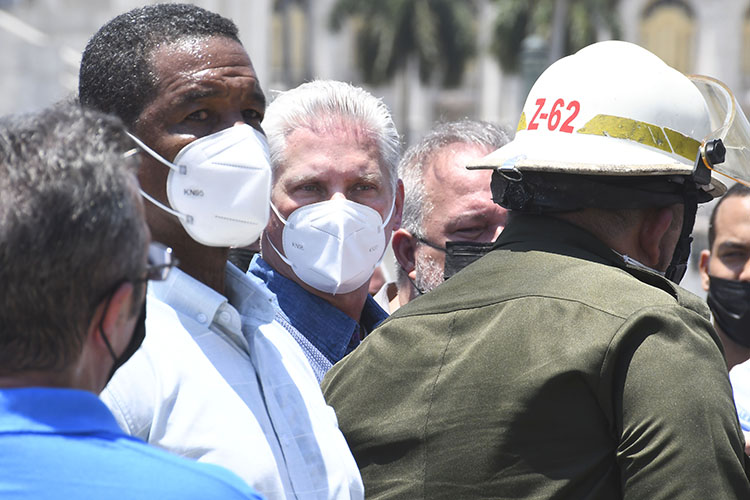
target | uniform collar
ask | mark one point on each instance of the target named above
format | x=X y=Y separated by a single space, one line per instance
x=526 y=232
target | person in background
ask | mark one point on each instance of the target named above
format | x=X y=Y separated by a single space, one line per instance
x=383 y=286
x=336 y=199
x=725 y=275
x=74 y=262
x=449 y=217
x=216 y=379
x=725 y=272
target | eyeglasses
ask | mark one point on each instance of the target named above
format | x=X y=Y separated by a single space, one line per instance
x=160 y=262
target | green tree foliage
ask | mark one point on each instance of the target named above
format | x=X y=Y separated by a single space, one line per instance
x=517 y=19
x=439 y=34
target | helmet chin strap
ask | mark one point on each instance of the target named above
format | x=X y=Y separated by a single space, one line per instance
x=677 y=268
x=712 y=152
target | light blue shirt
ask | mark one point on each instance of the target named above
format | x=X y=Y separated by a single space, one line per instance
x=64 y=443
x=324 y=332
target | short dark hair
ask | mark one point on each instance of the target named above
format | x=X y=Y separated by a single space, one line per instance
x=71 y=228
x=116 y=74
x=738 y=190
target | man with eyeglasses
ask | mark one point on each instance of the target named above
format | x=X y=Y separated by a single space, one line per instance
x=73 y=267
x=449 y=218
x=217 y=380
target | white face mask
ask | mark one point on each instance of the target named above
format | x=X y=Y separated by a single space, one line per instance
x=334 y=246
x=219 y=186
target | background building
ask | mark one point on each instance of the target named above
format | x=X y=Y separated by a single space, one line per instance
x=291 y=41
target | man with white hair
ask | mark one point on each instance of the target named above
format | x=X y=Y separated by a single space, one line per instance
x=449 y=217
x=336 y=198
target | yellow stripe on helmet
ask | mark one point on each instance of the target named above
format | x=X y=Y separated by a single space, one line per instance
x=522 y=122
x=668 y=140
x=648 y=134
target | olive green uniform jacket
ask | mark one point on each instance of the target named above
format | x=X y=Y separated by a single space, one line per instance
x=547 y=369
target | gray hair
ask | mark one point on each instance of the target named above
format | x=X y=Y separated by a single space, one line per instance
x=417 y=204
x=322 y=104
x=71 y=229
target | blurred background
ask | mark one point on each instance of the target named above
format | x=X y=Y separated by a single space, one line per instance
x=429 y=60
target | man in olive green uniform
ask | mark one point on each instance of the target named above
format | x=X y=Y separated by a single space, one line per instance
x=564 y=364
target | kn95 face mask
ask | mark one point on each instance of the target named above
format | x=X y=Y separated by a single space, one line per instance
x=219 y=186
x=335 y=245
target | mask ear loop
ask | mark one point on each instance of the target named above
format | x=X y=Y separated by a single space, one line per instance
x=283 y=221
x=382 y=228
x=420 y=291
x=101 y=327
x=390 y=213
x=179 y=169
x=276 y=211
x=282 y=257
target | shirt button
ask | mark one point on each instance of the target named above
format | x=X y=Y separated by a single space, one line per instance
x=224 y=317
x=201 y=318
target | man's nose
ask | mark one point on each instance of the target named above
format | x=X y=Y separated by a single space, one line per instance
x=231 y=119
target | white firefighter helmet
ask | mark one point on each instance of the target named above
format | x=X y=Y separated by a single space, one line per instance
x=613 y=109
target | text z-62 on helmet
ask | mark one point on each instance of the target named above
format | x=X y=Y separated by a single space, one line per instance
x=611 y=109
x=613 y=126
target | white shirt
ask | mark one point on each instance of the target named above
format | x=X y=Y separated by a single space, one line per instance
x=224 y=384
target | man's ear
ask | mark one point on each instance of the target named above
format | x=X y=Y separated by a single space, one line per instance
x=398 y=207
x=109 y=318
x=705 y=257
x=404 y=247
x=654 y=228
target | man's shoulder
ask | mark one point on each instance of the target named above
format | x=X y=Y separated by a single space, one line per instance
x=79 y=452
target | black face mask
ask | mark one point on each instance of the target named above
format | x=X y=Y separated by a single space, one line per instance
x=459 y=254
x=139 y=333
x=729 y=301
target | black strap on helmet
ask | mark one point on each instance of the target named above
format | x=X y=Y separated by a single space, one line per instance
x=714 y=152
x=549 y=192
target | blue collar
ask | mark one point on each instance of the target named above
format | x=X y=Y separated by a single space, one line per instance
x=327 y=328
x=48 y=410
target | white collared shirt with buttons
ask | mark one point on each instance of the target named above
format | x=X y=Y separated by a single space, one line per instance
x=223 y=383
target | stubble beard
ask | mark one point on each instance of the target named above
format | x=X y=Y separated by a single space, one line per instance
x=429 y=272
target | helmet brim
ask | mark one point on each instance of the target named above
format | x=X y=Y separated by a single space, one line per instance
x=587 y=155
